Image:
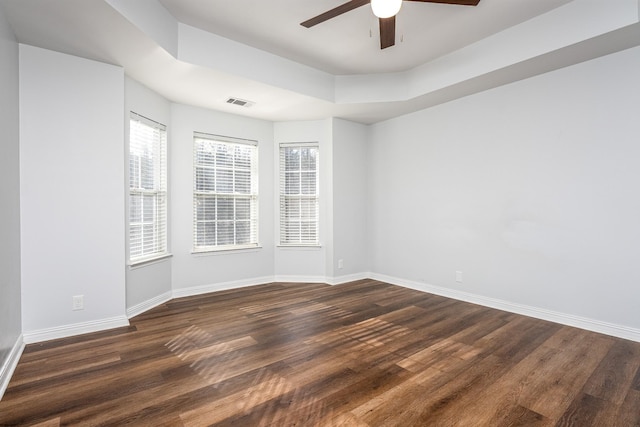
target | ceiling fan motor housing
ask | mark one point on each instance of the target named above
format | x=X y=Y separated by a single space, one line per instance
x=385 y=10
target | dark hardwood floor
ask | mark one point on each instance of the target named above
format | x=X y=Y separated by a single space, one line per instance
x=359 y=354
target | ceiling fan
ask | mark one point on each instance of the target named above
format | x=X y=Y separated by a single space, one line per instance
x=385 y=10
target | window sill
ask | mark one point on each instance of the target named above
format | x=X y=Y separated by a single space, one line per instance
x=300 y=247
x=149 y=261
x=226 y=251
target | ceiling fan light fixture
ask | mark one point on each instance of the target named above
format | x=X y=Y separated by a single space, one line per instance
x=385 y=8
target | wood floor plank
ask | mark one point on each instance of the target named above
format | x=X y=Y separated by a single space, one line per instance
x=517 y=415
x=509 y=391
x=36 y=370
x=582 y=412
x=613 y=378
x=635 y=384
x=361 y=354
x=628 y=413
x=432 y=396
x=369 y=384
x=49 y=423
x=553 y=387
x=267 y=386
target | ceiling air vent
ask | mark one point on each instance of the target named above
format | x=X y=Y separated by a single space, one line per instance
x=240 y=102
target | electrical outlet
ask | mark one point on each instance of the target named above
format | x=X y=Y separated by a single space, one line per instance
x=340 y=263
x=459 y=276
x=78 y=302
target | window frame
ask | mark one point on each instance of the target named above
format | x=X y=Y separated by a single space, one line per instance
x=159 y=192
x=284 y=197
x=200 y=194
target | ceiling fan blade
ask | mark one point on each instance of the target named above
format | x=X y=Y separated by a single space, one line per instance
x=387 y=32
x=460 y=2
x=336 y=11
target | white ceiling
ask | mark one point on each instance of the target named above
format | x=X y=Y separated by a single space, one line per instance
x=200 y=52
x=349 y=43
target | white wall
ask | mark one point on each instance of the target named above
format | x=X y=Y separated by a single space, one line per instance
x=350 y=214
x=147 y=284
x=72 y=200
x=10 y=316
x=307 y=263
x=530 y=189
x=193 y=273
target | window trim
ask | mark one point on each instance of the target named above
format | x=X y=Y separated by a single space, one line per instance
x=162 y=192
x=317 y=198
x=150 y=261
x=253 y=196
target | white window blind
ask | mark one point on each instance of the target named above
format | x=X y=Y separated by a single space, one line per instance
x=225 y=193
x=147 y=189
x=299 y=202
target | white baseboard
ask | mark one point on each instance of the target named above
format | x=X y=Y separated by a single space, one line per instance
x=74 y=329
x=300 y=279
x=338 y=280
x=214 y=287
x=222 y=286
x=322 y=279
x=148 y=305
x=588 y=324
x=9 y=365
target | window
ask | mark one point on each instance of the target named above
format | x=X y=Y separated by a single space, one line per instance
x=147 y=189
x=225 y=193
x=299 y=194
